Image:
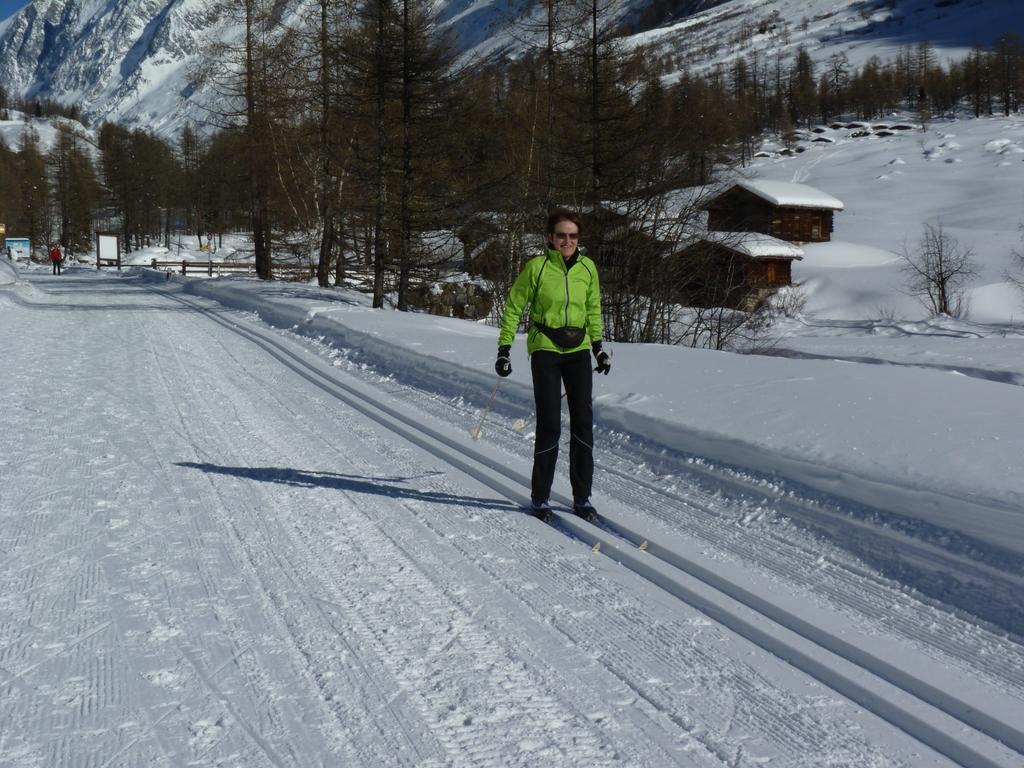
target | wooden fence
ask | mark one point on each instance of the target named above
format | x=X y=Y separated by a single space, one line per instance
x=211 y=268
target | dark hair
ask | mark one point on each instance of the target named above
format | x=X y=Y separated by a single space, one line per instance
x=562 y=214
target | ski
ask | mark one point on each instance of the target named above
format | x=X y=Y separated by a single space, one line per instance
x=544 y=515
x=593 y=517
x=549 y=516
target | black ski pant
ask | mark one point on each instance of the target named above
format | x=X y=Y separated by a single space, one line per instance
x=56 y=267
x=550 y=371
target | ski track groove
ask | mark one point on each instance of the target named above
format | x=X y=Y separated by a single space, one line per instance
x=942 y=635
x=862 y=596
x=801 y=734
x=964 y=656
x=464 y=743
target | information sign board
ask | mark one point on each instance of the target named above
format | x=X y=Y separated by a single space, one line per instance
x=20 y=247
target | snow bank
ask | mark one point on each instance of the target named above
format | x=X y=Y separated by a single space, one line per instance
x=995 y=302
x=843 y=255
x=8 y=272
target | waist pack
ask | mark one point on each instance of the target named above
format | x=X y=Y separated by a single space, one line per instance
x=566 y=336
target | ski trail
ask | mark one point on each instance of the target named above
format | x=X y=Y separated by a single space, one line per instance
x=297 y=568
x=827 y=670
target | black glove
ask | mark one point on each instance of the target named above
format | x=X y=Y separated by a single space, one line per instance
x=604 y=360
x=503 y=365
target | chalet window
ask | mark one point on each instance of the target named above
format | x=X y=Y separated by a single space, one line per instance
x=816 y=230
x=771 y=273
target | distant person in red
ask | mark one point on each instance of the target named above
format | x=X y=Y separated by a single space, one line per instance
x=56 y=258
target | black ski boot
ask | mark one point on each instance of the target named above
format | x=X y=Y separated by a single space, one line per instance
x=583 y=508
x=541 y=510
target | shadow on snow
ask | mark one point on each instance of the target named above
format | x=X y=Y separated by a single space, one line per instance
x=391 y=487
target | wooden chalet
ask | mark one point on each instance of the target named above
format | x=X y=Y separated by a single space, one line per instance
x=794 y=212
x=738 y=270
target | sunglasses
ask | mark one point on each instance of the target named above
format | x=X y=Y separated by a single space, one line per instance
x=566 y=235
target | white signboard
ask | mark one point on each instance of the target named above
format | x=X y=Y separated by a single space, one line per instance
x=20 y=247
x=107 y=246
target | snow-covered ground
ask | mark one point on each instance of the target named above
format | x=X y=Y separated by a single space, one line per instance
x=245 y=524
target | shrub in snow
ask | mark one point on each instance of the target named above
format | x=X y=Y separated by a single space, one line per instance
x=937 y=272
x=788 y=302
x=1015 y=274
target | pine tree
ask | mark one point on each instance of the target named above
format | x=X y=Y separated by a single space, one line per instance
x=802 y=91
x=1008 y=70
x=34 y=216
x=246 y=77
x=76 y=190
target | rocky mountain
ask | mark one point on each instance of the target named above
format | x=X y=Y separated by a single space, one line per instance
x=119 y=59
x=135 y=60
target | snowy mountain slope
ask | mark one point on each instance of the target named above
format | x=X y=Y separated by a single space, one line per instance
x=131 y=59
x=12 y=131
x=254 y=552
x=116 y=60
x=857 y=29
x=489 y=28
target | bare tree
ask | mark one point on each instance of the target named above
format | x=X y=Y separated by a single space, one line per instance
x=724 y=309
x=1015 y=274
x=938 y=270
x=244 y=78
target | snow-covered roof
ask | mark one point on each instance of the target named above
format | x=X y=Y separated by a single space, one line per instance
x=791 y=195
x=755 y=245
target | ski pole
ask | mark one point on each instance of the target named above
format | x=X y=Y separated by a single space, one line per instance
x=475 y=433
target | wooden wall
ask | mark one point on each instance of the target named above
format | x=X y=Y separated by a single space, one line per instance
x=802 y=225
x=741 y=211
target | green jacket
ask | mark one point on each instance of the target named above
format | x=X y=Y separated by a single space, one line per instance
x=557 y=297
